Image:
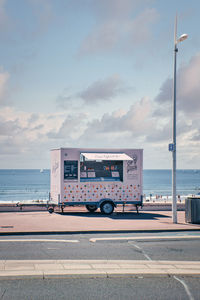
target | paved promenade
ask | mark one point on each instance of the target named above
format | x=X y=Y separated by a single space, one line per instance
x=97 y=268
x=77 y=219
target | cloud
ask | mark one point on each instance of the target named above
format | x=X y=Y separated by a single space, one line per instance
x=26 y=128
x=140 y=28
x=10 y=146
x=196 y=136
x=70 y=129
x=26 y=136
x=163 y=129
x=135 y=121
x=99 y=91
x=4 y=76
x=120 y=24
x=115 y=9
x=188 y=111
x=104 y=10
x=103 y=38
x=127 y=127
x=188 y=88
x=105 y=90
x=64 y=102
x=116 y=127
x=9 y=128
x=33 y=118
x=165 y=93
x=24 y=141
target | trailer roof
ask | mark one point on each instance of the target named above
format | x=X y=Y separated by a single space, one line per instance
x=106 y=156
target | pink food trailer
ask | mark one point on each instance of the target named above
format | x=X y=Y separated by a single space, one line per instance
x=96 y=178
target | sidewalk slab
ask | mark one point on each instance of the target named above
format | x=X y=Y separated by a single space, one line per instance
x=98 y=267
x=19 y=266
x=84 y=222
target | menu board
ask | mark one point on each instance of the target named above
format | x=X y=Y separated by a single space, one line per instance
x=115 y=174
x=70 y=170
x=101 y=171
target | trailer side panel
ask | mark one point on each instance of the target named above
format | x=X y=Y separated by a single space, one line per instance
x=77 y=190
x=55 y=194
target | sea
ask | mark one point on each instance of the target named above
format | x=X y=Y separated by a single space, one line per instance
x=34 y=185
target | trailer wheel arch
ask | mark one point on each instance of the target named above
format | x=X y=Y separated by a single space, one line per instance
x=107 y=207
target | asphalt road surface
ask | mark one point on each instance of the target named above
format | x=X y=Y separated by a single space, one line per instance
x=101 y=288
x=80 y=246
x=180 y=246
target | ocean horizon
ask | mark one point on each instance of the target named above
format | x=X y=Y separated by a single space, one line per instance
x=18 y=185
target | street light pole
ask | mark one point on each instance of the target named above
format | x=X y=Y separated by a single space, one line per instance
x=174 y=202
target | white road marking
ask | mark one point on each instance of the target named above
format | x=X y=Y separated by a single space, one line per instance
x=52 y=248
x=143 y=252
x=94 y=240
x=147 y=256
x=39 y=240
x=186 y=288
x=3 y=294
x=136 y=246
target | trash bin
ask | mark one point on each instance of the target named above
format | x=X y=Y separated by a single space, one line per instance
x=192 y=210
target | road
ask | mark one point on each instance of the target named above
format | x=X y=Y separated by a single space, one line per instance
x=167 y=246
x=80 y=246
x=100 y=288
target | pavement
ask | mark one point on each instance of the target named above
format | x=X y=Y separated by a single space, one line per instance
x=96 y=268
x=78 y=220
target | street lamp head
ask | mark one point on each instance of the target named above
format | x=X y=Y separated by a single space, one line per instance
x=182 y=38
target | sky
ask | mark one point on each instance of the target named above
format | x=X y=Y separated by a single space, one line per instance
x=98 y=73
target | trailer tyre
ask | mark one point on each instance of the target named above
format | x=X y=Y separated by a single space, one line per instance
x=107 y=208
x=91 y=208
x=51 y=210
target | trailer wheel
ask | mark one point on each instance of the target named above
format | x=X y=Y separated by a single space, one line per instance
x=51 y=210
x=107 y=208
x=91 y=208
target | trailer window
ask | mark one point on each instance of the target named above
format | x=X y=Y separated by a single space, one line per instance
x=101 y=170
x=70 y=170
